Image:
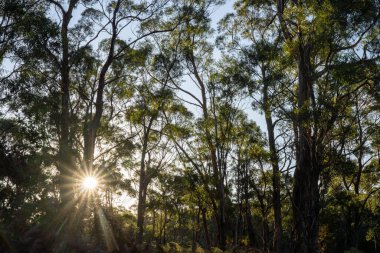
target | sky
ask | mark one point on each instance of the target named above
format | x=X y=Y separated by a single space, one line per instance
x=221 y=11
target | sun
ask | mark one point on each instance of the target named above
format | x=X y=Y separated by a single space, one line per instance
x=89 y=183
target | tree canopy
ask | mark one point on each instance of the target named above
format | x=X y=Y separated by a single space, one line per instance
x=154 y=126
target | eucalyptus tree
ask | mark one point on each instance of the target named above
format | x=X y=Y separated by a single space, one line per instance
x=193 y=48
x=69 y=44
x=318 y=40
x=313 y=36
x=354 y=175
x=249 y=160
x=144 y=17
x=67 y=47
x=150 y=116
x=252 y=51
x=240 y=150
x=63 y=68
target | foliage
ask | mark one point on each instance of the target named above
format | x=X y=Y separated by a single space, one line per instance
x=200 y=139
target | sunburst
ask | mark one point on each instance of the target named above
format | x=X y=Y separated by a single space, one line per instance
x=90 y=183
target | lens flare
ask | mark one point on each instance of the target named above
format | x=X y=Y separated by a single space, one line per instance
x=89 y=183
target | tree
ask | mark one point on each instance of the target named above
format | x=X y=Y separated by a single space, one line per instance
x=255 y=56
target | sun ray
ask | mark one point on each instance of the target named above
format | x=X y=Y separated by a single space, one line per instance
x=107 y=232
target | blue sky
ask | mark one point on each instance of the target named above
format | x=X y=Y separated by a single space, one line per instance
x=221 y=11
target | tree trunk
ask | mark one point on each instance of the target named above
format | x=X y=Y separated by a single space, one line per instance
x=141 y=208
x=222 y=240
x=251 y=232
x=65 y=159
x=91 y=127
x=265 y=225
x=195 y=230
x=142 y=196
x=357 y=212
x=207 y=235
x=217 y=171
x=276 y=175
x=305 y=189
x=143 y=185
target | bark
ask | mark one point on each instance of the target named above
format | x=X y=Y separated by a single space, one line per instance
x=238 y=220
x=355 y=213
x=265 y=237
x=143 y=185
x=276 y=175
x=91 y=127
x=195 y=230
x=305 y=189
x=141 y=206
x=222 y=239
x=65 y=159
x=250 y=229
x=207 y=235
x=306 y=176
x=217 y=171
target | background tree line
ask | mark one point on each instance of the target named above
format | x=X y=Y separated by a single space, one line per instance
x=157 y=104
